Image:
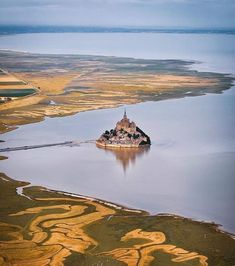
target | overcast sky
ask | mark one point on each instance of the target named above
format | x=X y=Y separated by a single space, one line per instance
x=179 y=13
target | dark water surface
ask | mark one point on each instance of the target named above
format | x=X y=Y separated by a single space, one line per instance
x=16 y=92
x=189 y=169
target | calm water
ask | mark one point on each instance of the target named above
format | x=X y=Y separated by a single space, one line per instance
x=189 y=169
x=16 y=92
x=216 y=51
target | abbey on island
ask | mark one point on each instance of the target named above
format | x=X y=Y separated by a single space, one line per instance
x=126 y=134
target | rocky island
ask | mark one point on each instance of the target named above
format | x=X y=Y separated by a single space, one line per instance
x=125 y=135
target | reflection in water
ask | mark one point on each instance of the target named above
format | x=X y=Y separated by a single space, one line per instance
x=127 y=156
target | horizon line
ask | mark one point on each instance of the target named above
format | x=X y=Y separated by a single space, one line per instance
x=122 y=26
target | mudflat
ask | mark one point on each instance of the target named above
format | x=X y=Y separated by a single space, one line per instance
x=41 y=227
x=68 y=84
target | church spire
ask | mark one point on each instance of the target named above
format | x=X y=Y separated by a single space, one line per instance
x=125 y=116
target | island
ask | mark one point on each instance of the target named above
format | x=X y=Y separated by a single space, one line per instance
x=125 y=135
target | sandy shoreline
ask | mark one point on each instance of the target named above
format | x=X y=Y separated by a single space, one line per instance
x=66 y=228
x=71 y=84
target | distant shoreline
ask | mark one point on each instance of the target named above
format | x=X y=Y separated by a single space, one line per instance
x=21 y=29
x=71 y=84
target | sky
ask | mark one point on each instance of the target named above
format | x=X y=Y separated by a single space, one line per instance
x=136 y=13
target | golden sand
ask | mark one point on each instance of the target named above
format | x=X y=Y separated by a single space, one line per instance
x=54 y=236
x=140 y=254
x=106 y=90
x=47 y=83
x=96 y=82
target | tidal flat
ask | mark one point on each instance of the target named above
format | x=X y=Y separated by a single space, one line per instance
x=45 y=227
x=42 y=225
x=73 y=83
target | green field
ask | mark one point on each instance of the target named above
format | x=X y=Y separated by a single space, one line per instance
x=16 y=92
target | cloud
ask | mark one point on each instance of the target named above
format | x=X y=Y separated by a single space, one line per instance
x=119 y=12
x=76 y=3
x=33 y=3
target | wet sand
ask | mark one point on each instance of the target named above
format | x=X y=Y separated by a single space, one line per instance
x=41 y=227
x=69 y=84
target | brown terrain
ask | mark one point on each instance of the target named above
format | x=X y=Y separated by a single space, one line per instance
x=68 y=84
x=45 y=227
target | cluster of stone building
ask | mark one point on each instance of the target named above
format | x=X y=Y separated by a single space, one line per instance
x=125 y=134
